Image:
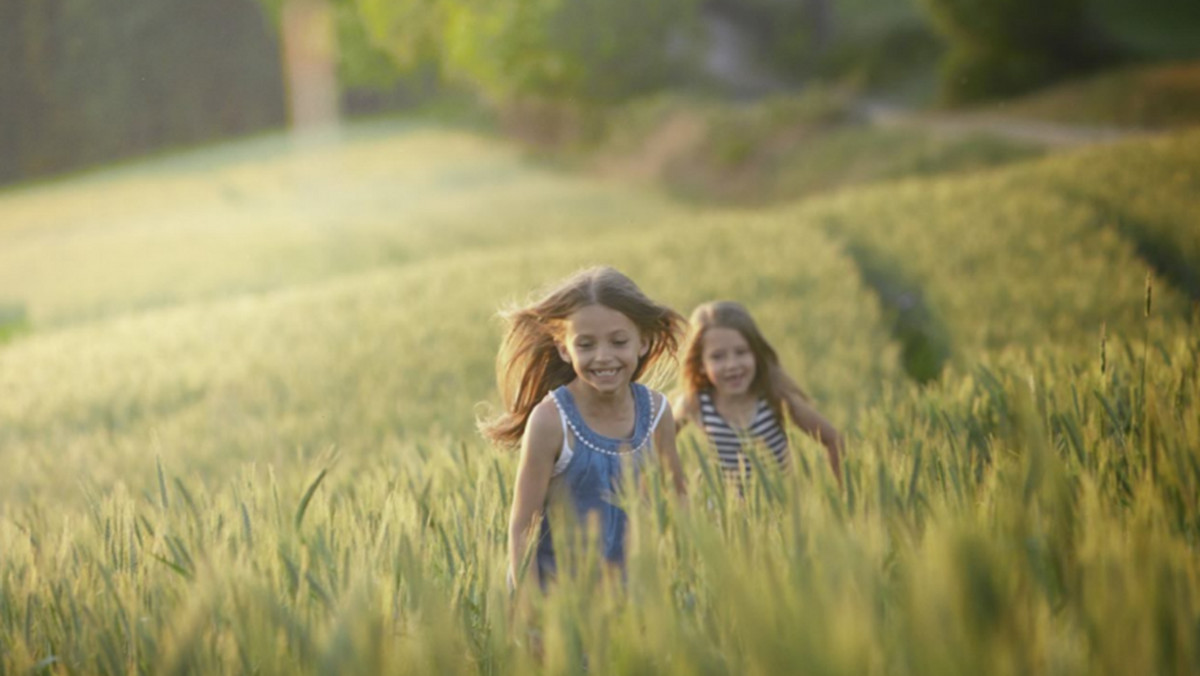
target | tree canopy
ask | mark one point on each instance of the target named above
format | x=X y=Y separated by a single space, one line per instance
x=592 y=51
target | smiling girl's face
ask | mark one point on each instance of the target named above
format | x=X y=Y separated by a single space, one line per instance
x=603 y=346
x=728 y=361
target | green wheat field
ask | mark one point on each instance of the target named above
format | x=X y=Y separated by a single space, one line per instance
x=238 y=390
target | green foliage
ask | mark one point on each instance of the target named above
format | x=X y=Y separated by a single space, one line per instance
x=507 y=49
x=1011 y=25
x=593 y=51
x=1153 y=29
x=875 y=41
x=1160 y=96
x=977 y=74
x=409 y=31
x=360 y=62
x=363 y=65
x=1001 y=47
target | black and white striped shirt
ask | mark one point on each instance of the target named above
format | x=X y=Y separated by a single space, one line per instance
x=733 y=444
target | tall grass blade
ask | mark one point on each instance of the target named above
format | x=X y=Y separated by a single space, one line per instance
x=162 y=484
x=308 y=494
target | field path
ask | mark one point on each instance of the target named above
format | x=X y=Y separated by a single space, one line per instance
x=1049 y=134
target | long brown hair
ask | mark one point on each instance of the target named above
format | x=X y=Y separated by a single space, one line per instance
x=529 y=366
x=770 y=382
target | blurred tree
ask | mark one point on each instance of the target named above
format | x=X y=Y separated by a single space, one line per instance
x=1002 y=47
x=362 y=59
x=1153 y=29
x=794 y=34
x=408 y=31
x=874 y=41
x=587 y=51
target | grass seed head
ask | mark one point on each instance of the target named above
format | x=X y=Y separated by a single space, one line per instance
x=1149 y=292
x=1103 y=347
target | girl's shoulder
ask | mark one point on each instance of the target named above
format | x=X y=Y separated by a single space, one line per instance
x=544 y=423
x=648 y=390
x=661 y=410
x=657 y=399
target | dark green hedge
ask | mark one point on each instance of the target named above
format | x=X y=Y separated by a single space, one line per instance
x=87 y=81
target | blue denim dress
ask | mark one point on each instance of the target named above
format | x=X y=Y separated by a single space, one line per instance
x=593 y=475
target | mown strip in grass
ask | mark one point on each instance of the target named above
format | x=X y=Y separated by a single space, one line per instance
x=1159 y=251
x=1149 y=192
x=924 y=341
x=1006 y=258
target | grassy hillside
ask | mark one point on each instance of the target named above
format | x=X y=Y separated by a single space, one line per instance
x=780 y=149
x=196 y=340
x=248 y=218
x=1037 y=254
x=238 y=430
x=1159 y=96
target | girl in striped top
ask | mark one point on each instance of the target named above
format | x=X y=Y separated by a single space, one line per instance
x=735 y=389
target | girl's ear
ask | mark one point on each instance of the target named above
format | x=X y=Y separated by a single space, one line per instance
x=562 y=352
x=644 y=349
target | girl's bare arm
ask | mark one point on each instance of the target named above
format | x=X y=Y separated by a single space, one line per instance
x=668 y=455
x=539 y=449
x=681 y=412
x=815 y=425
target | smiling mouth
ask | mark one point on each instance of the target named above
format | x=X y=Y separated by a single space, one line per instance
x=604 y=373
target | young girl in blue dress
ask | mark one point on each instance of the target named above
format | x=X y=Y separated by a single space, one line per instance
x=567 y=374
x=736 y=391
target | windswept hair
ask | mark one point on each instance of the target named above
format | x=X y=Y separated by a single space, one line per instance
x=770 y=382
x=528 y=366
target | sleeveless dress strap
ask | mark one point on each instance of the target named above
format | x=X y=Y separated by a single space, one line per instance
x=564 y=454
x=662 y=408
